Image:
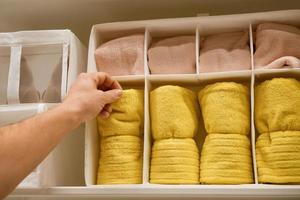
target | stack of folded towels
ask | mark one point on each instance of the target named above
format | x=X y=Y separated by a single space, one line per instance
x=225 y=52
x=277 y=46
x=121 y=56
x=121 y=140
x=175 y=156
x=226 y=155
x=277 y=119
x=175 y=55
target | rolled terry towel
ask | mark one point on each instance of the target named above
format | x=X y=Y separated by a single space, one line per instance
x=121 y=56
x=226 y=159
x=225 y=108
x=120 y=160
x=278 y=157
x=174 y=55
x=127 y=116
x=173 y=113
x=277 y=46
x=277 y=104
x=174 y=161
x=225 y=52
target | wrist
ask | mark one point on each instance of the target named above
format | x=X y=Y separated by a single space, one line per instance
x=72 y=113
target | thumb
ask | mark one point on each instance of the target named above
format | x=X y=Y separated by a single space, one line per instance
x=110 y=96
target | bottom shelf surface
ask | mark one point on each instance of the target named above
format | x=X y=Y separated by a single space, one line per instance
x=257 y=191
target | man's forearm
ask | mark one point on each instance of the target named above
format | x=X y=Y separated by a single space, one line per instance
x=24 y=145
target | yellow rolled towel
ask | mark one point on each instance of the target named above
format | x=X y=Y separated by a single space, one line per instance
x=127 y=149
x=277 y=104
x=120 y=160
x=173 y=113
x=174 y=175
x=225 y=108
x=174 y=168
x=120 y=177
x=226 y=159
x=226 y=180
x=127 y=116
x=174 y=153
x=176 y=181
x=278 y=157
x=174 y=161
x=182 y=144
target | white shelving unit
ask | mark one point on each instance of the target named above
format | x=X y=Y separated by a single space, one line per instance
x=170 y=192
x=79 y=16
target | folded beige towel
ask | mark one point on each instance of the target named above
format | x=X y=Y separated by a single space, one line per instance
x=277 y=46
x=174 y=55
x=121 y=56
x=225 y=52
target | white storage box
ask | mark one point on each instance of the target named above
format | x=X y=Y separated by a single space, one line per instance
x=38 y=67
x=4 y=63
x=64 y=165
x=42 y=66
x=199 y=26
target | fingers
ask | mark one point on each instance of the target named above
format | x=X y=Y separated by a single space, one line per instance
x=110 y=96
x=106 y=111
x=105 y=81
x=108 y=108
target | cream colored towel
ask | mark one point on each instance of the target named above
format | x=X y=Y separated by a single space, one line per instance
x=173 y=112
x=277 y=105
x=225 y=108
x=121 y=56
x=174 y=55
x=277 y=46
x=225 y=52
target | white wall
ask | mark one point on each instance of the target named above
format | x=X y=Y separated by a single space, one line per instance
x=80 y=15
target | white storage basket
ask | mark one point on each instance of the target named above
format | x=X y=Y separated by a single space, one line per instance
x=198 y=26
x=49 y=55
x=42 y=66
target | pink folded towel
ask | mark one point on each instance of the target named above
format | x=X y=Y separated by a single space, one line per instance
x=277 y=46
x=121 y=56
x=173 y=55
x=225 y=52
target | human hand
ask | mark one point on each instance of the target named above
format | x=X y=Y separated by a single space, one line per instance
x=91 y=94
